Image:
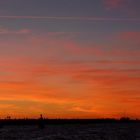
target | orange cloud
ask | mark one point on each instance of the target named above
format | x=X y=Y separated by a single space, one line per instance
x=67 y=78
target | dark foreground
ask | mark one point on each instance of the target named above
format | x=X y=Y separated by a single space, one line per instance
x=107 y=131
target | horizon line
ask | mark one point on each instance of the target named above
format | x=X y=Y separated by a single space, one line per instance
x=69 y=118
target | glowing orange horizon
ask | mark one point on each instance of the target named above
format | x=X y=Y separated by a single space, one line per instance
x=48 y=83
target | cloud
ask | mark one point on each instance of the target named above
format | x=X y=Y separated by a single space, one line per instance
x=128 y=7
x=118 y=62
x=130 y=40
x=83 y=109
x=133 y=36
x=4 y=30
x=112 y=4
x=46 y=18
x=64 y=72
x=117 y=4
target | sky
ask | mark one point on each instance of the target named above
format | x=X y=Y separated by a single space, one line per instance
x=70 y=58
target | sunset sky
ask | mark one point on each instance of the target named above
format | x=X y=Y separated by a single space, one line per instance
x=70 y=58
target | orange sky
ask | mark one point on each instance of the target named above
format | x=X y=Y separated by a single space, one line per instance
x=60 y=82
x=66 y=63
